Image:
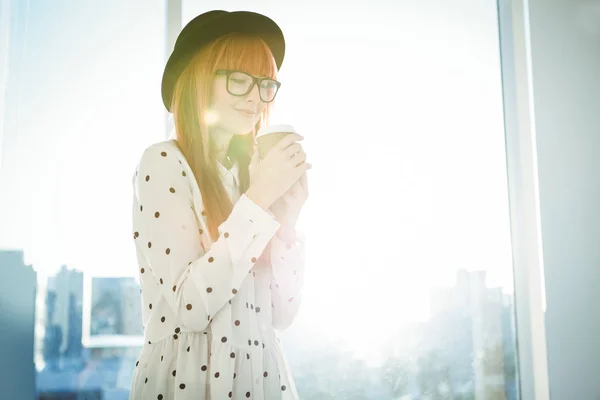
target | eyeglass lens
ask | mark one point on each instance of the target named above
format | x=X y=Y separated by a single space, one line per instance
x=239 y=84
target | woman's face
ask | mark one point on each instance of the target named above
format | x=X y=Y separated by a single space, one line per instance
x=234 y=114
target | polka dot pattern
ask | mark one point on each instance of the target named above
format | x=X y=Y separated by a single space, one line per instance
x=188 y=292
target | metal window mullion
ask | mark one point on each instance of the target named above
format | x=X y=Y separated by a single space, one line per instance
x=173 y=16
x=521 y=158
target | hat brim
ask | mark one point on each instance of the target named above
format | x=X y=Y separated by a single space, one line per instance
x=204 y=29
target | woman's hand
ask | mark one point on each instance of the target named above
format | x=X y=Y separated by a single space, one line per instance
x=273 y=176
x=287 y=208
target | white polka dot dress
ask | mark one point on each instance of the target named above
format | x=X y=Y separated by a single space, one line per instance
x=210 y=309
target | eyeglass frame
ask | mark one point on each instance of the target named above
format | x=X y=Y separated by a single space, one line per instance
x=255 y=82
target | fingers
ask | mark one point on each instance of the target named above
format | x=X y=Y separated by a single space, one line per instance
x=297 y=188
x=302 y=168
x=304 y=182
x=293 y=149
x=288 y=157
x=297 y=159
x=288 y=141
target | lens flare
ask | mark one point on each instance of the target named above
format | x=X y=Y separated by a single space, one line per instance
x=211 y=117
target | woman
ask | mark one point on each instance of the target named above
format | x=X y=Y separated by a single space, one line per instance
x=220 y=264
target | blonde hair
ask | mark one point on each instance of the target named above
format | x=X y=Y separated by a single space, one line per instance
x=190 y=100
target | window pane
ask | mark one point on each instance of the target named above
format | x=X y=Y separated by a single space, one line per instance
x=409 y=276
x=82 y=102
x=409 y=283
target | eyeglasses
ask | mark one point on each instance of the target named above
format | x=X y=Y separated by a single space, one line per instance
x=240 y=84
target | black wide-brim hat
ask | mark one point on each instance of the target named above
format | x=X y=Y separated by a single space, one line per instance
x=210 y=26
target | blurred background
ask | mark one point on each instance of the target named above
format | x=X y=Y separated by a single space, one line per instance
x=410 y=285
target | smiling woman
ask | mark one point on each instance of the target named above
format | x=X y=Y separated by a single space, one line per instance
x=214 y=293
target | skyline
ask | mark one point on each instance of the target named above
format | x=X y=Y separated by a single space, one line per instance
x=469 y=293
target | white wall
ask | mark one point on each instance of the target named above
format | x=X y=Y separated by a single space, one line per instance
x=565 y=49
x=551 y=73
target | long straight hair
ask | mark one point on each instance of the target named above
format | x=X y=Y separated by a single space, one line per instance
x=191 y=99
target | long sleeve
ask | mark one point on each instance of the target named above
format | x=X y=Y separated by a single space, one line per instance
x=287 y=266
x=195 y=283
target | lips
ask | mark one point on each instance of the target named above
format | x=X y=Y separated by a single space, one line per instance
x=246 y=113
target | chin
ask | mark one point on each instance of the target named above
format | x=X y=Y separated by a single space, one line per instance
x=241 y=129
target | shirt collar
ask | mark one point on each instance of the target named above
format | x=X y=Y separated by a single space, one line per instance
x=234 y=171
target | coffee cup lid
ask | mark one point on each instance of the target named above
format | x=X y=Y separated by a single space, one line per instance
x=265 y=130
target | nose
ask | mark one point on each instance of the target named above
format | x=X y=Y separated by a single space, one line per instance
x=254 y=95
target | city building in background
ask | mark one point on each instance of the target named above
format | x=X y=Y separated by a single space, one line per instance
x=17 y=301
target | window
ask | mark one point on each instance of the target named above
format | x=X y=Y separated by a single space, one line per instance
x=82 y=101
x=409 y=276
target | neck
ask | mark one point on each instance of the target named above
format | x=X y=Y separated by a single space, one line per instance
x=222 y=139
